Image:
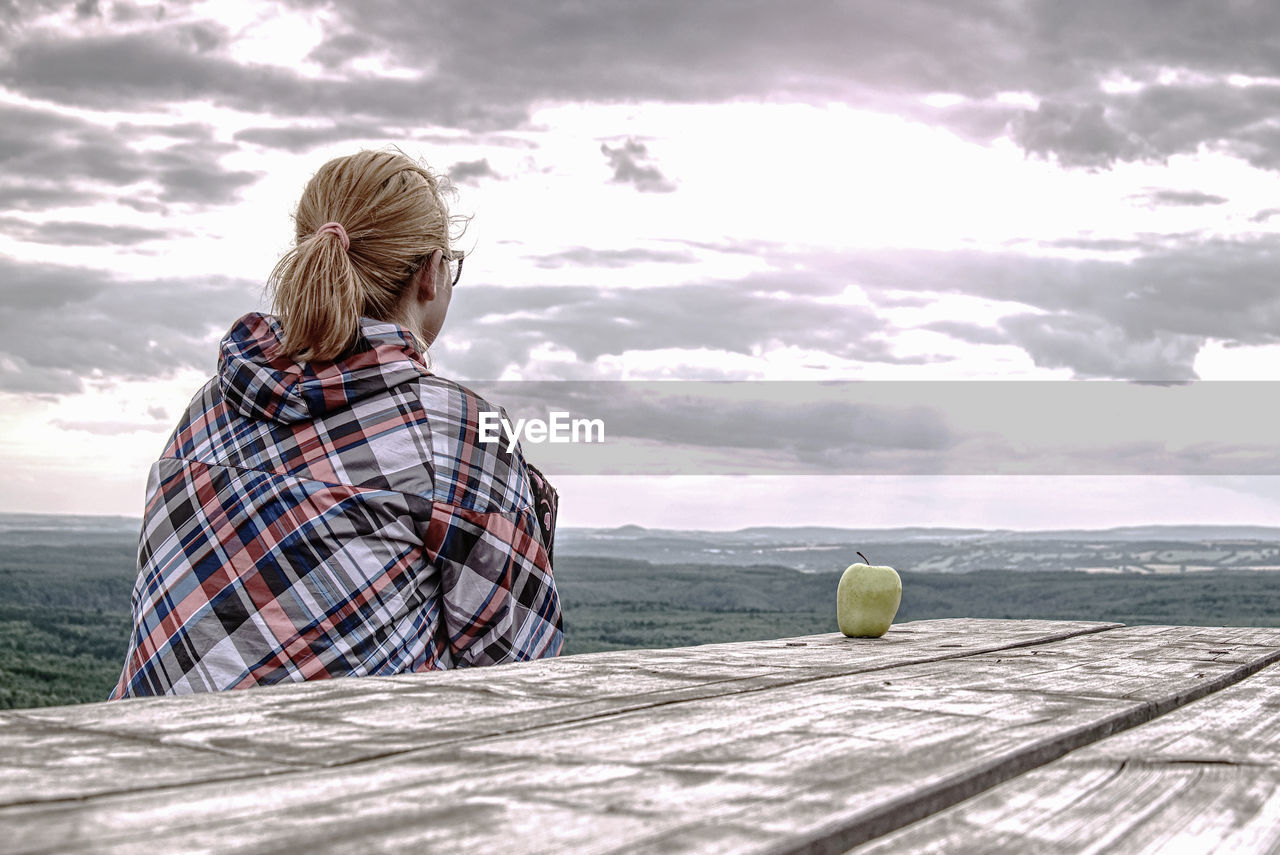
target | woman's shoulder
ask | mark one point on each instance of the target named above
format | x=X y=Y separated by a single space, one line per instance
x=456 y=403
x=474 y=468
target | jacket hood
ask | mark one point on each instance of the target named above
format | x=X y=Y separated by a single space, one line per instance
x=259 y=381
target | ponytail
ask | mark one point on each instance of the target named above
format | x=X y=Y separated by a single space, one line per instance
x=363 y=225
x=317 y=299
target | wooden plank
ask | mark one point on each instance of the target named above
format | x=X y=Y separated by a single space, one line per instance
x=334 y=722
x=1203 y=778
x=37 y=757
x=813 y=766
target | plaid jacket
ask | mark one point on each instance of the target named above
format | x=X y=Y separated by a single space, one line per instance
x=311 y=521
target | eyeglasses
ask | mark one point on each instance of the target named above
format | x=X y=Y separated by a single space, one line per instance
x=454 y=261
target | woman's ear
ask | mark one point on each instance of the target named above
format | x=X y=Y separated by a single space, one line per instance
x=426 y=279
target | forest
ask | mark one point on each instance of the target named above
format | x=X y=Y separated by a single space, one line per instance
x=64 y=606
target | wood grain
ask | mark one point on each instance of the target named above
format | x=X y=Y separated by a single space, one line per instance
x=856 y=741
x=1203 y=778
x=51 y=753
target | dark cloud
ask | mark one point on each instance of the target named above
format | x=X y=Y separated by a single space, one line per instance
x=471 y=171
x=581 y=256
x=49 y=159
x=61 y=324
x=205 y=36
x=485 y=70
x=1091 y=347
x=1144 y=243
x=126 y=12
x=138 y=70
x=302 y=137
x=1136 y=319
x=1143 y=319
x=629 y=162
x=28 y=195
x=880 y=55
x=1180 y=118
x=1100 y=244
x=194 y=132
x=70 y=233
x=135 y=69
x=1139 y=319
x=1157 y=196
x=338 y=50
x=186 y=174
x=1075 y=135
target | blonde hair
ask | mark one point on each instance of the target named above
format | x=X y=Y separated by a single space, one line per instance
x=393 y=211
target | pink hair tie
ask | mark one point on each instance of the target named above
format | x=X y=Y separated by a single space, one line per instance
x=336 y=229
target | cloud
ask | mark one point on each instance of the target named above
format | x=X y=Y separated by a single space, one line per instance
x=1136 y=319
x=338 y=51
x=1075 y=135
x=972 y=333
x=1184 y=116
x=503 y=326
x=880 y=55
x=301 y=137
x=1193 y=198
x=1100 y=244
x=1112 y=82
x=1092 y=349
x=628 y=162
x=140 y=69
x=1139 y=319
x=1107 y=83
x=54 y=160
x=71 y=233
x=109 y=428
x=62 y=324
x=581 y=256
x=471 y=171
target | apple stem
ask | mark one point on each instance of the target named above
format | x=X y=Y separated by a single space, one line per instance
x=864 y=558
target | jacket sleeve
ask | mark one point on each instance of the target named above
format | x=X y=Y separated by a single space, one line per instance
x=499 y=601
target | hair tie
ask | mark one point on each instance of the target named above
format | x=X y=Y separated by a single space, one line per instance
x=336 y=229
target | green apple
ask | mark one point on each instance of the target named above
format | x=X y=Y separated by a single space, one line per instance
x=867 y=599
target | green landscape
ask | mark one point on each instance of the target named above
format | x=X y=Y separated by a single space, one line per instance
x=64 y=603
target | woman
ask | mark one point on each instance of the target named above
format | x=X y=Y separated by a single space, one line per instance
x=324 y=507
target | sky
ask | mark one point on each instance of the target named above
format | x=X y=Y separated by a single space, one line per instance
x=890 y=190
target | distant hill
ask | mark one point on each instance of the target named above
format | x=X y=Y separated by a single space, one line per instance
x=65 y=584
x=57 y=528
x=828 y=534
x=1154 y=549
x=1131 y=549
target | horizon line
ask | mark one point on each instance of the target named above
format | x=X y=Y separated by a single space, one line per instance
x=637 y=527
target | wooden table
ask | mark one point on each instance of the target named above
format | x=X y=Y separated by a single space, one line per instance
x=946 y=735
